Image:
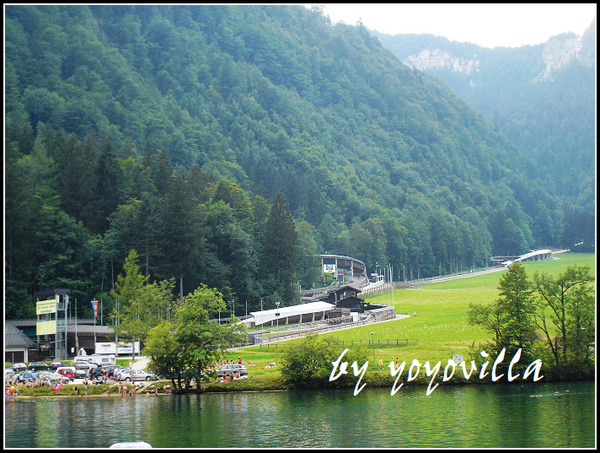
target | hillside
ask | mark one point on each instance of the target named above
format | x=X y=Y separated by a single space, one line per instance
x=541 y=97
x=170 y=129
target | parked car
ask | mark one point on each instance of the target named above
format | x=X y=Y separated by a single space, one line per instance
x=97 y=371
x=38 y=366
x=83 y=361
x=25 y=376
x=8 y=372
x=67 y=371
x=52 y=377
x=55 y=365
x=81 y=373
x=18 y=367
x=232 y=368
x=137 y=375
x=117 y=372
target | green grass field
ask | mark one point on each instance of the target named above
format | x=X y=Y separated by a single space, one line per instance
x=440 y=325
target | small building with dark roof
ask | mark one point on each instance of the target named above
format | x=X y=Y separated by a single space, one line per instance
x=23 y=345
x=16 y=344
x=346 y=297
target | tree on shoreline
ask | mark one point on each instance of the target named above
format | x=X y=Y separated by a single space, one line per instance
x=510 y=316
x=185 y=346
x=142 y=305
x=570 y=298
x=519 y=318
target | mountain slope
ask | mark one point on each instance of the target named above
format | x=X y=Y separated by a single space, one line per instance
x=542 y=97
x=385 y=163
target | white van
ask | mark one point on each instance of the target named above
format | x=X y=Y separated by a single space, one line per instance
x=104 y=359
x=82 y=361
x=94 y=360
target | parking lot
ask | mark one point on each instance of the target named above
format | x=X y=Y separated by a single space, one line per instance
x=82 y=380
x=38 y=374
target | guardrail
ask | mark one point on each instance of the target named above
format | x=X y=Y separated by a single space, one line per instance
x=379 y=342
x=373 y=316
x=397 y=342
x=258 y=339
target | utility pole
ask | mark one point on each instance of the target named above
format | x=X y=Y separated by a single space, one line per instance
x=277 y=316
x=66 y=303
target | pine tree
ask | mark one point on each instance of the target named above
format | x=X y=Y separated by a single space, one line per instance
x=181 y=224
x=280 y=253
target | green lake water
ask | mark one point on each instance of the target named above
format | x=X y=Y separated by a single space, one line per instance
x=534 y=415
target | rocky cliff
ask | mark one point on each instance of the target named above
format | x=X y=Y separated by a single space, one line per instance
x=557 y=53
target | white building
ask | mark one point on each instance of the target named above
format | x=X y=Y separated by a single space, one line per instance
x=312 y=311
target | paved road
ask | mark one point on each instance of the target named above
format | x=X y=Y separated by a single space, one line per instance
x=472 y=274
x=141 y=363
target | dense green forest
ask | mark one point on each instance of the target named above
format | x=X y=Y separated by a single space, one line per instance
x=229 y=144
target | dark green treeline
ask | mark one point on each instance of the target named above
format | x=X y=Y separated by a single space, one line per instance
x=171 y=130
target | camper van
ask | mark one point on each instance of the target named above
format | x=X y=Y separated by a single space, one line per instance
x=104 y=359
x=82 y=361
x=95 y=360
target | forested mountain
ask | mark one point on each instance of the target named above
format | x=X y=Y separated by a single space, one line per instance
x=542 y=97
x=226 y=144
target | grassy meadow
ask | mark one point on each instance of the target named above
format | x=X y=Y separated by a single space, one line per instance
x=440 y=325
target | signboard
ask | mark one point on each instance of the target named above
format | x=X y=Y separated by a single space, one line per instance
x=114 y=348
x=106 y=348
x=458 y=358
x=125 y=348
x=45 y=307
x=45 y=328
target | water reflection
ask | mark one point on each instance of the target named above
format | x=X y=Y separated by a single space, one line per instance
x=509 y=416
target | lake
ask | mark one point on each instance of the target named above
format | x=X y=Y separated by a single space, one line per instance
x=532 y=415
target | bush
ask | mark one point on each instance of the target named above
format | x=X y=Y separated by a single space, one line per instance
x=309 y=363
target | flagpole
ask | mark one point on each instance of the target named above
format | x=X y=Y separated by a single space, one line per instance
x=76 y=333
x=95 y=313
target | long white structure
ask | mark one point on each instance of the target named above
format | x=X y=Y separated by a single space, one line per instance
x=534 y=255
x=314 y=310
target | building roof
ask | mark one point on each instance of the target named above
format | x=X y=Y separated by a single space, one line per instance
x=14 y=338
x=31 y=322
x=261 y=317
x=84 y=328
x=90 y=331
x=345 y=288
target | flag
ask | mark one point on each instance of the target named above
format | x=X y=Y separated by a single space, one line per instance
x=95 y=307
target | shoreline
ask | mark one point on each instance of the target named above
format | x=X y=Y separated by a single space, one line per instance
x=411 y=384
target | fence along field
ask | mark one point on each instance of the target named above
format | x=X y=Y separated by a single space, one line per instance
x=437 y=325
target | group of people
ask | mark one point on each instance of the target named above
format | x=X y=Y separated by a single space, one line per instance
x=231 y=376
x=41 y=381
x=96 y=380
x=10 y=390
x=381 y=363
x=226 y=362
